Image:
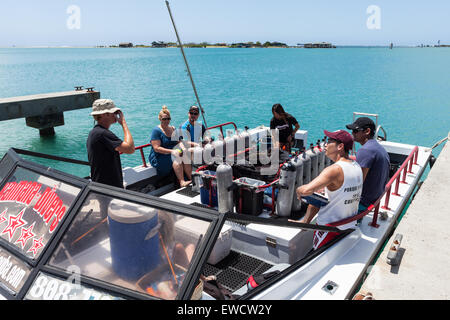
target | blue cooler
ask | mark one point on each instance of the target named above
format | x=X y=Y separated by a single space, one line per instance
x=205 y=190
x=134 y=239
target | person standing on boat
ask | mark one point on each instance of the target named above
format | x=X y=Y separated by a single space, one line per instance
x=284 y=122
x=163 y=154
x=104 y=147
x=343 y=184
x=373 y=159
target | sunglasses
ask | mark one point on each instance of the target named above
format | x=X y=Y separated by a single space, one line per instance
x=193 y=113
x=331 y=140
x=357 y=130
x=165 y=119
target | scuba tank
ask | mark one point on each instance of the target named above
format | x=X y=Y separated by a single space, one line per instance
x=229 y=146
x=297 y=162
x=321 y=154
x=224 y=176
x=208 y=153
x=240 y=148
x=314 y=161
x=246 y=137
x=306 y=167
x=286 y=190
x=327 y=160
x=219 y=149
x=197 y=160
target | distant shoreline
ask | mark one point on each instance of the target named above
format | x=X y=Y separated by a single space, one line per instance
x=214 y=47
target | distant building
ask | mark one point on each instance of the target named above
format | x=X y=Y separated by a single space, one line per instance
x=241 y=45
x=125 y=45
x=159 y=44
x=318 y=45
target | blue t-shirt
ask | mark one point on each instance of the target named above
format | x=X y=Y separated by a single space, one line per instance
x=195 y=132
x=162 y=162
x=373 y=156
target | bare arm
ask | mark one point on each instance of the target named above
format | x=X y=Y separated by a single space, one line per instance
x=156 y=145
x=127 y=145
x=326 y=178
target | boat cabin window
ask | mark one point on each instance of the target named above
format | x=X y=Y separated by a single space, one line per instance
x=129 y=245
x=32 y=207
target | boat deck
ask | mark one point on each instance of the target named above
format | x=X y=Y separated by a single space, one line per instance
x=424 y=253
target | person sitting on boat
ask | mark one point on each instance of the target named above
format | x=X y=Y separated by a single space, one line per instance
x=104 y=147
x=342 y=182
x=373 y=159
x=284 y=122
x=193 y=129
x=163 y=154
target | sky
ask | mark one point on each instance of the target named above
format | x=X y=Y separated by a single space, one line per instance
x=343 y=22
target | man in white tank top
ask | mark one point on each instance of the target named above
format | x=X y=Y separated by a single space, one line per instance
x=343 y=185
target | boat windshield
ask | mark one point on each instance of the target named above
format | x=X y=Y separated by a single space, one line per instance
x=32 y=207
x=129 y=245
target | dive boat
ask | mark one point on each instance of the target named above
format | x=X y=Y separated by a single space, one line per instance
x=232 y=234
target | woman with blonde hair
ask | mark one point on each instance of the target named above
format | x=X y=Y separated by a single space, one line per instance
x=163 y=151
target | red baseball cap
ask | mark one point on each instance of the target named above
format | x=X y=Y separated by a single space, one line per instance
x=342 y=136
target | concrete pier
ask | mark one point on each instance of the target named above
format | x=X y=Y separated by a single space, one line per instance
x=424 y=251
x=45 y=111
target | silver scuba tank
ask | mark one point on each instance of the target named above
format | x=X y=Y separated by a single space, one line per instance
x=286 y=191
x=297 y=162
x=219 y=148
x=197 y=159
x=224 y=176
x=327 y=160
x=208 y=153
x=246 y=136
x=321 y=154
x=229 y=143
x=306 y=167
x=240 y=148
x=314 y=161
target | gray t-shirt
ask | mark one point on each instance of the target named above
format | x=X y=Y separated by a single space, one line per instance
x=373 y=156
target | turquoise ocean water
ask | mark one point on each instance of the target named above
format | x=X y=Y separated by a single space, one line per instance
x=408 y=87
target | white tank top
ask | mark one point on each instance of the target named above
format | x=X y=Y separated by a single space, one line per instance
x=343 y=202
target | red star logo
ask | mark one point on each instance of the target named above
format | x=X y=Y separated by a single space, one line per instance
x=2 y=215
x=14 y=223
x=26 y=235
x=37 y=244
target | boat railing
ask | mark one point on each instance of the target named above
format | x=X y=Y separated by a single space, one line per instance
x=398 y=177
x=383 y=138
x=141 y=150
x=220 y=126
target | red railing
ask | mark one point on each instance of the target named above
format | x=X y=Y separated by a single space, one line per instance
x=223 y=125
x=405 y=168
x=141 y=150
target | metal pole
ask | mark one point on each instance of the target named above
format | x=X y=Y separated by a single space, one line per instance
x=187 y=65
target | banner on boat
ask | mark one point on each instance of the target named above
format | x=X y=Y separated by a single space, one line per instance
x=32 y=206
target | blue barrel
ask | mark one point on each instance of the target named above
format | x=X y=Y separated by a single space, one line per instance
x=134 y=240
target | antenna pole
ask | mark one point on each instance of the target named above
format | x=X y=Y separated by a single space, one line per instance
x=187 y=65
